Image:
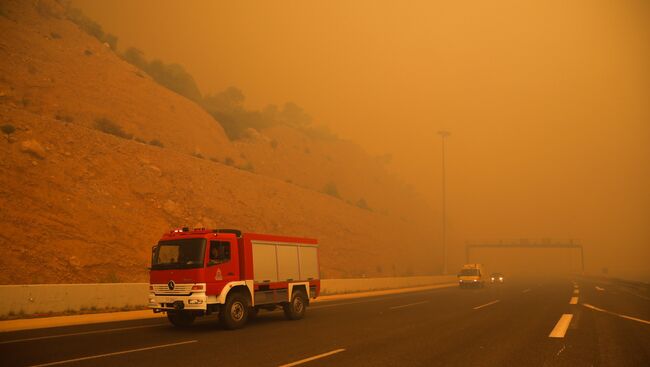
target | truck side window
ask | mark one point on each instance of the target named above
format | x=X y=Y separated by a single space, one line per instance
x=219 y=251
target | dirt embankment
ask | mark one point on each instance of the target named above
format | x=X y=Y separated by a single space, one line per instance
x=81 y=205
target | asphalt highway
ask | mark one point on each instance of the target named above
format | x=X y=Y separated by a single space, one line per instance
x=559 y=322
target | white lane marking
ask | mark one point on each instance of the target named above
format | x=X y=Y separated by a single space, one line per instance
x=575 y=286
x=573 y=301
x=79 y=333
x=113 y=354
x=562 y=325
x=485 y=305
x=408 y=305
x=576 y=291
x=561 y=350
x=312 y=358
x=616 y=314
x=526 y=290
x=599 y=288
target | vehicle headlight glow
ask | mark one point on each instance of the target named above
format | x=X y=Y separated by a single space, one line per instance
x=195 y=301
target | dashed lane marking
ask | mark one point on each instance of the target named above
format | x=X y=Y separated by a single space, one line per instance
x=113 y=354
x=526 y=290
x=573 y=301
x=408 y=305
x=576 y=291
x=562 y=325
x=600 y=288
x=487 y=304
x=312 y=358
x=81 y=333
x=616 y=314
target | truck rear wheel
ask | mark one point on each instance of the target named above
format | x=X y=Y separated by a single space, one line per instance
x=234 y=313
x=180 y=318
x=295 y=310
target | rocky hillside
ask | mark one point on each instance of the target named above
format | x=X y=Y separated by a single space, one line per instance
x=97 y=161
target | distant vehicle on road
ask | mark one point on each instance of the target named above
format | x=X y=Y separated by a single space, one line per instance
x=199 y=272
x=471 y=275
x=496 y=278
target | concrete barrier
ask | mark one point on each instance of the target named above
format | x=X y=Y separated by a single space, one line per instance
x=56 y=298
x=338 y=286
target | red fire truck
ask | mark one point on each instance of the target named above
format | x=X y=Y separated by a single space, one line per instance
x=199 y=272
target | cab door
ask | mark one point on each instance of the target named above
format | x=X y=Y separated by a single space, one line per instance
x=222 y=264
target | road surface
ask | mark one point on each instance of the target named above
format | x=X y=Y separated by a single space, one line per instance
x=561 y=322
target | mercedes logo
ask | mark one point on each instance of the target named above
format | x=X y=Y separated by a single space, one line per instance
x=171 y=285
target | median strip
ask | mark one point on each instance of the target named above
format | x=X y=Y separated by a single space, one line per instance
x=312 y=358
x=562 y=325
x=616 y=314
x=113 y=354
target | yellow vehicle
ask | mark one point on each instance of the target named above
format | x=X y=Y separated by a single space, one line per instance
x=471 y=275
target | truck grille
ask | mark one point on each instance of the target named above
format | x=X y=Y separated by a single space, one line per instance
x=162 y=289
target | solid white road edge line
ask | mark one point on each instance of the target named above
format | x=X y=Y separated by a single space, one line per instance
x=81 y=333
x=312 y=358
x=408 y=305
x=562 y=325
x=113 y=354
x=573 y=301
x=616 y=314
x=485 y=305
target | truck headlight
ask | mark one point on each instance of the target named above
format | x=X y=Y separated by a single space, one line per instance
x=195 y=301
x=474 y=280
x=152 y=300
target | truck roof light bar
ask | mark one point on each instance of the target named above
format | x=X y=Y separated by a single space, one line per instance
x=236 y=232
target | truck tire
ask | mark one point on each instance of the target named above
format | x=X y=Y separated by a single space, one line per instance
x=234 y=313
x=295 y=310
x=180 y=318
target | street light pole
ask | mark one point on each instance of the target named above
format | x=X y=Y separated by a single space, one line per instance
x=444 y=134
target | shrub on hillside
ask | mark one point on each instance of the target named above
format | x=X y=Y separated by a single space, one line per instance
x=247 y=167
x=103 y=124
x=228 y=161
x=156 y=143
x=362 y=204
x=8 y=129
x=91 y=27
x=170 y=76
x=332 y=190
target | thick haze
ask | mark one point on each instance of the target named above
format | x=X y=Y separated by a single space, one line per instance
x=547 y=102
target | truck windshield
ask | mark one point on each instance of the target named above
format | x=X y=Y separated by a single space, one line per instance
x=469 y=272
x=179 y=254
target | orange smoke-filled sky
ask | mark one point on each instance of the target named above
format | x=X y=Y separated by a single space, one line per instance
x=547 y=101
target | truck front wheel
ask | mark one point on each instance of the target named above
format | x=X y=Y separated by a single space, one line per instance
x=180 y=318
x=295 y=310
x=234 y=313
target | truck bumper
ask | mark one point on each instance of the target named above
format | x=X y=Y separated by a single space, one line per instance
x=195 y=301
